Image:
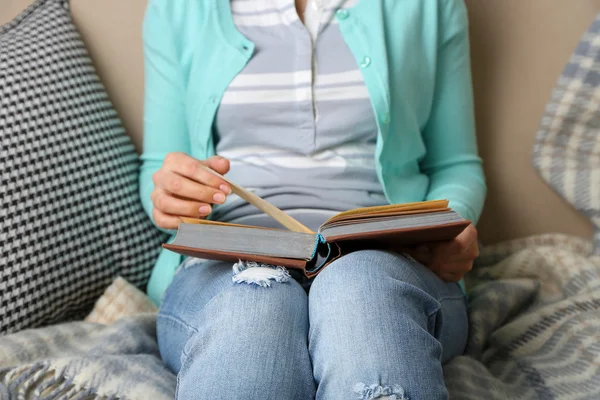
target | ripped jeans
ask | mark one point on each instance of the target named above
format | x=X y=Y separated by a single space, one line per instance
x=374 y=325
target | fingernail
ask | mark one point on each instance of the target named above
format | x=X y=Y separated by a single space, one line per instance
x=204 y=210
x=226 y=189
x=219 y=198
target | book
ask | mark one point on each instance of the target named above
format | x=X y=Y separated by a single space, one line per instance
x=381 y=227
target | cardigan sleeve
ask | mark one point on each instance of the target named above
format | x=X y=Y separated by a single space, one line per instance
x=165 y=127
x=451 y=162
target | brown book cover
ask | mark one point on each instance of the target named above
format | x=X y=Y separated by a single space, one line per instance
x=393 y=227
x=336 y=246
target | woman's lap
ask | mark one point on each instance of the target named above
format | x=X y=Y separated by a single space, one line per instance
x=235 y=340
x=197 y=283
x=370 y=318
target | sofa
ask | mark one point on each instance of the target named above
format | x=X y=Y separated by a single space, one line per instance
x=519 y=49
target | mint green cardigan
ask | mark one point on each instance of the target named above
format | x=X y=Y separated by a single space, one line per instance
x=414 y=56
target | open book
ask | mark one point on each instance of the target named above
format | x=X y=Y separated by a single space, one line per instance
x=386 y=227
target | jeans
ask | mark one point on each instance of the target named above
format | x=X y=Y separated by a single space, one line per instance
x=373 y=325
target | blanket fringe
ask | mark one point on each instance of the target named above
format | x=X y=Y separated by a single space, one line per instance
x=39 y=382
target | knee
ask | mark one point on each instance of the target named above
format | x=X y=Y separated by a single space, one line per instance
x=262 y=319
x=281 y=303
x=260 y=302
x=372 y=282
x=248 y=299
x=366 y=270
x=262 y=313
x=262 y=292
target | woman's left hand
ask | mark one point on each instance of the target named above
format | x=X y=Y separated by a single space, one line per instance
x=450 y=260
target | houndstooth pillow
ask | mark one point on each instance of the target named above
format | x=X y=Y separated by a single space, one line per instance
x=70 y=214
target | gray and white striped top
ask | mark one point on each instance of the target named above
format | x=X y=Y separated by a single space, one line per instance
x=297 y=122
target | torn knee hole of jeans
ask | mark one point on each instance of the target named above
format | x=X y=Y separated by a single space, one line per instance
x=387 y=392
x=258 y=273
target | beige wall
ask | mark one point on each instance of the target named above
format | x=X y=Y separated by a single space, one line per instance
x=519 y=48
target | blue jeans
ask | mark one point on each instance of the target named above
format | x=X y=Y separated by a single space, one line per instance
x=374 y=325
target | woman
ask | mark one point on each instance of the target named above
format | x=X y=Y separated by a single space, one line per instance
x=318 y=106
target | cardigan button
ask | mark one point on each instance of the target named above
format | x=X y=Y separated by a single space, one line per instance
x=342 y=14
x=366 y=61
x=385 y=118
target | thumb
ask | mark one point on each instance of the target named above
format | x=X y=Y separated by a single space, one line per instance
x=219 y=164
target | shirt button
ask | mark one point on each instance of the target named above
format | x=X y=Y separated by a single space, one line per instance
x=342 y=14
x=365 y=62
x=213 y=99
x=385 y=118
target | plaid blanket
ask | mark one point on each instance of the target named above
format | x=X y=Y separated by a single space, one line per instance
x=111 y=355
x=534 y=323
x=534 y=334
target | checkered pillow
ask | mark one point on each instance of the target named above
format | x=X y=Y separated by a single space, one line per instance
x=70 y=215
x=567 y=145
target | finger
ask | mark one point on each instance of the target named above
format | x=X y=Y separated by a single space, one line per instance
x=219 y=164
x=456 y=254
x=189 y=167
x=171 y=204
x=447 y=251
x=184 y=187
x=461 y=247
x=200 y=175
x=165 y=221
x=472 y=252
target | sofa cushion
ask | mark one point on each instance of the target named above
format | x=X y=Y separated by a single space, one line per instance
x=70 y=215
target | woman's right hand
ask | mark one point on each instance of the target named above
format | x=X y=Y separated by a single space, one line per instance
x=181 y=188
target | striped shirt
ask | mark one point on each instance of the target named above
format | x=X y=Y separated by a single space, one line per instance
x=297 y=123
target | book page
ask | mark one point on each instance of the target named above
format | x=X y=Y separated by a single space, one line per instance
x=198 y=221
x=391 y=209
x=263 y=205
x=351 y=219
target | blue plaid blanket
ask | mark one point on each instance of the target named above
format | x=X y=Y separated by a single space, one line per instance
x=534 y=334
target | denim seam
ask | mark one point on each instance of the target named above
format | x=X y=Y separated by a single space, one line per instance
x=194 y=330
x=219 y=295
x=461 y=297
x=423 y=283
x=183 y=323
x=440 y=302
x=177 y=386
x=178 y=320
x=184 y=355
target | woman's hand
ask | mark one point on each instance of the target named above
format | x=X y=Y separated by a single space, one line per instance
x=450 y=260
x=181 y=188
